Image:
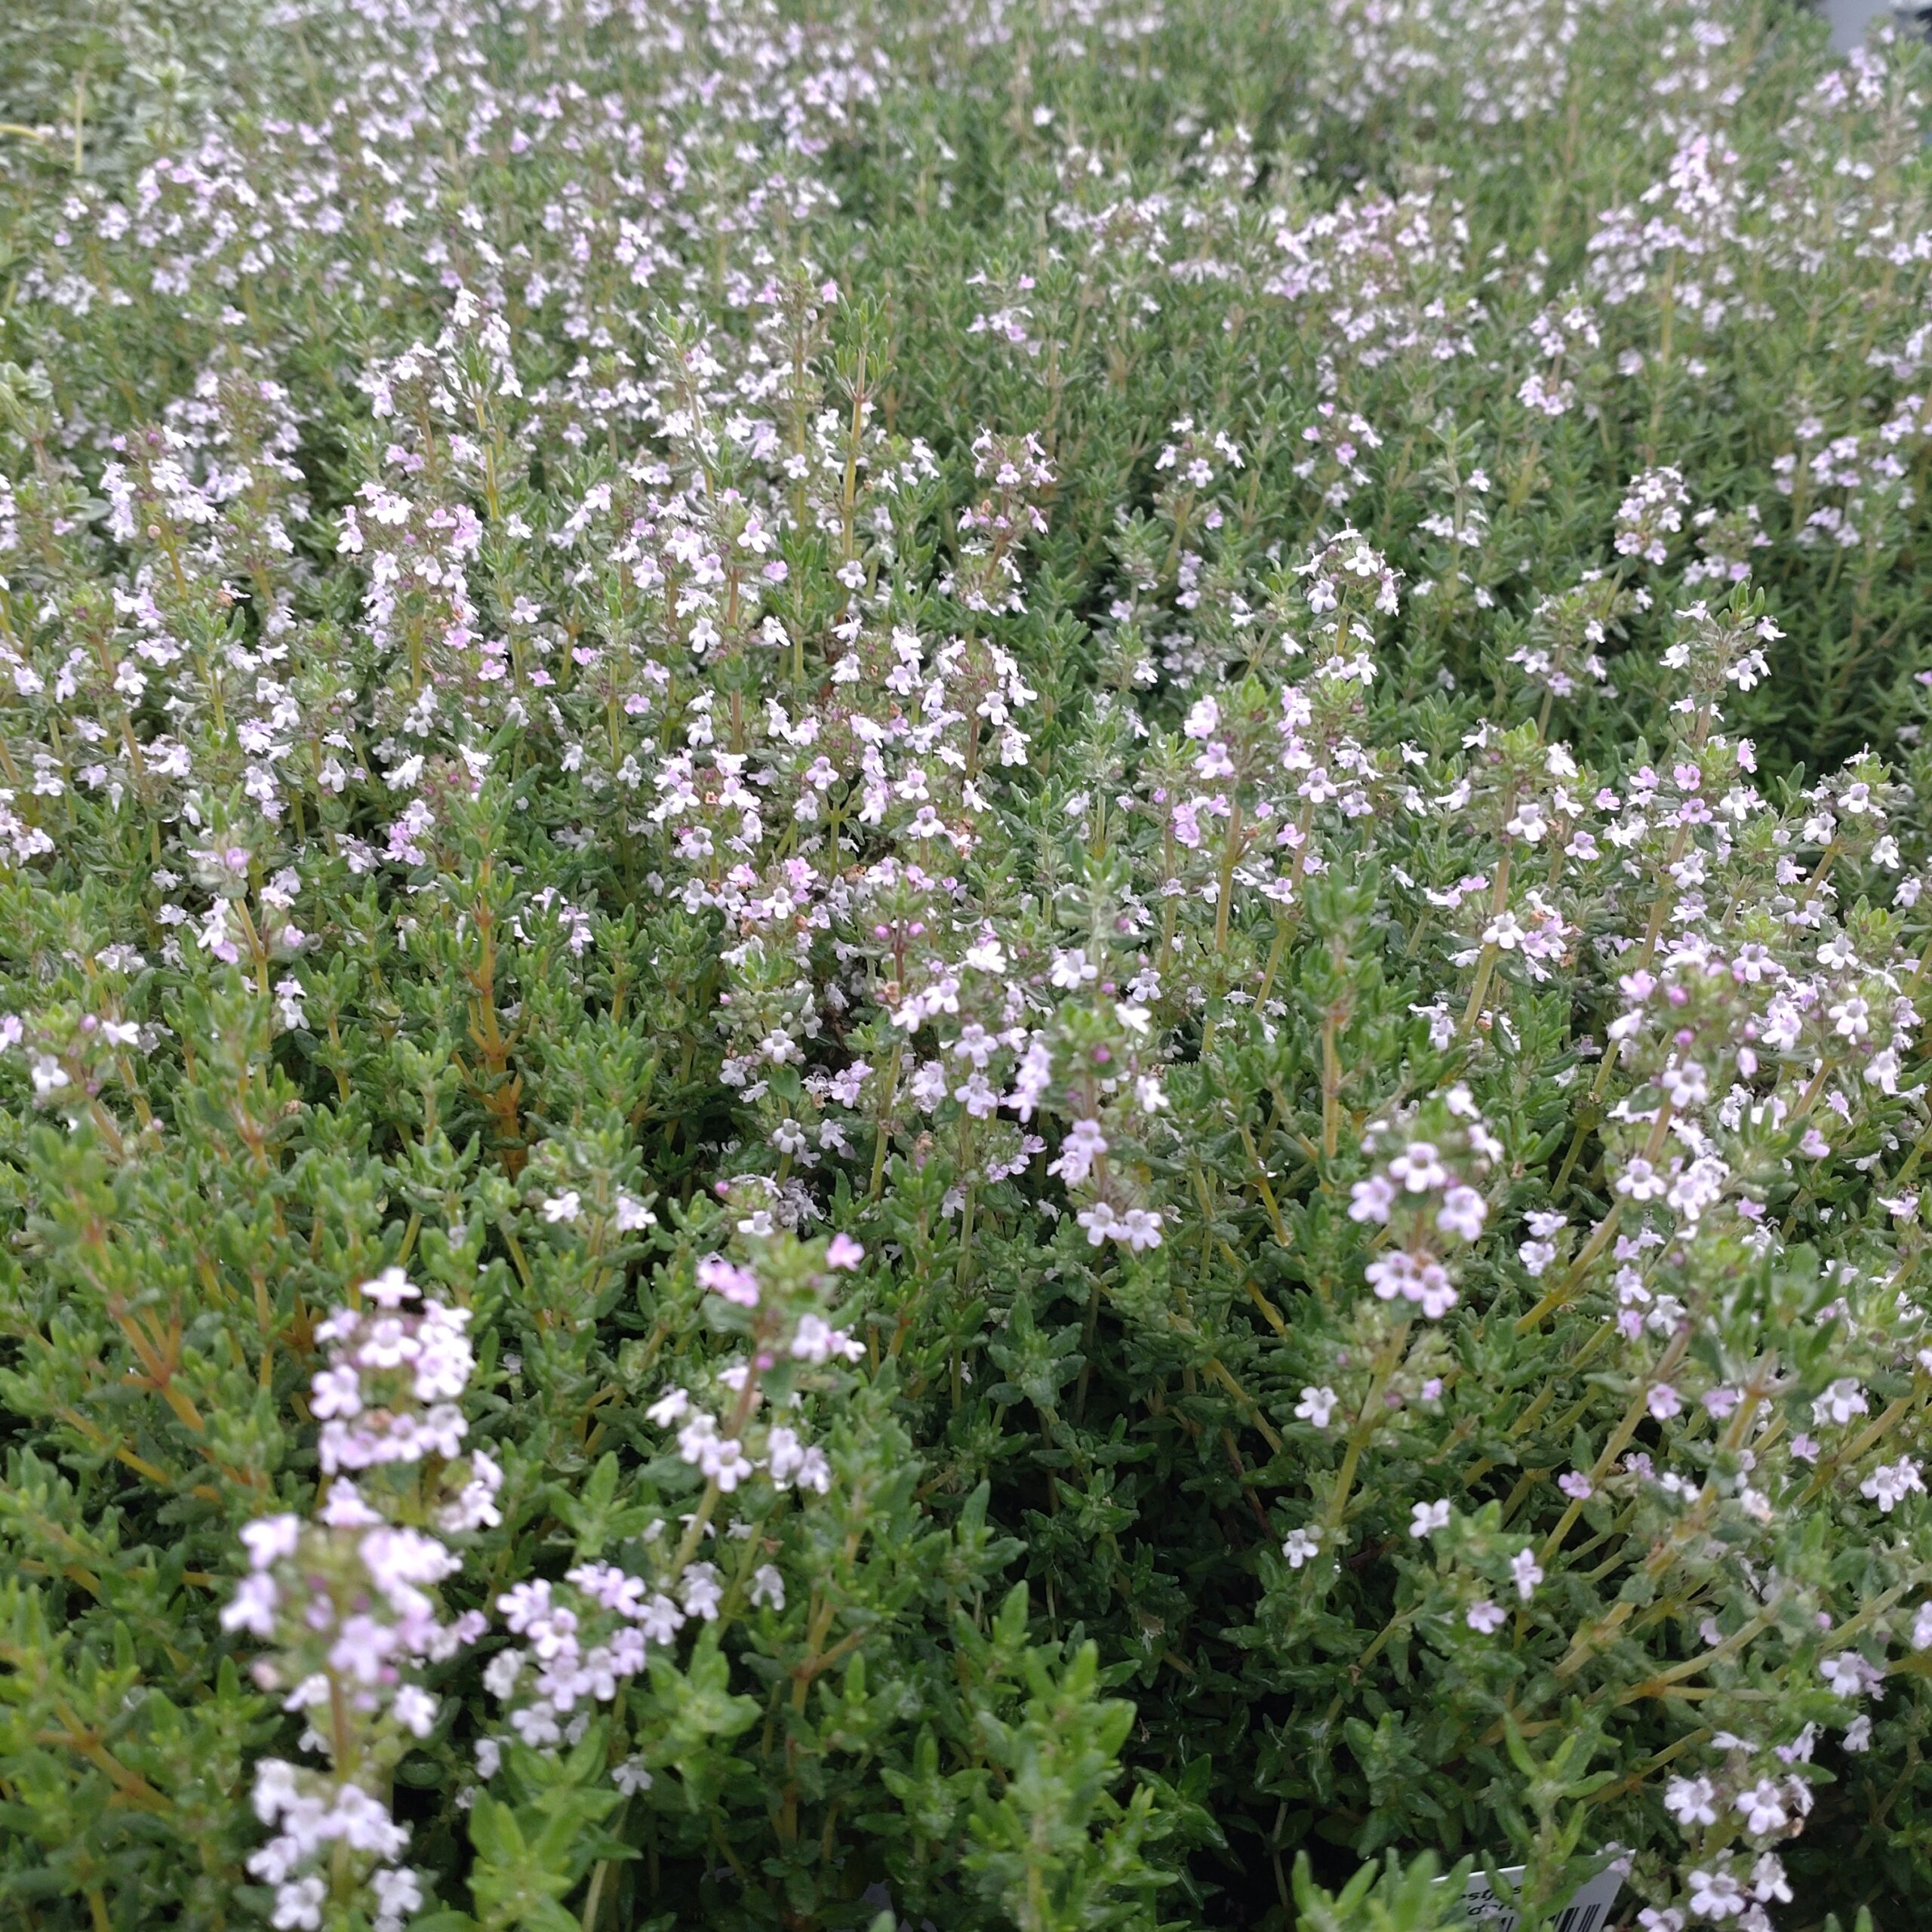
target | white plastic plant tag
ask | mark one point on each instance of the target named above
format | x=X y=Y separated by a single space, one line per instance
x=1588 y=1912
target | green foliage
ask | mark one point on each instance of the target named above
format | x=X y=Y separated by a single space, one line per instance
x=1098 y=830
x=1388 y=1897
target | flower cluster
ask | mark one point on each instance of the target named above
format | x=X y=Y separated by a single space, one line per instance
x=581 y=1641
x=347 y=1600
x=1427 y=1204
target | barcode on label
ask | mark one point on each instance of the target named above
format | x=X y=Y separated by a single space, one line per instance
x=1572 y=1918
x=1589 y=1911
x=1582 y=1918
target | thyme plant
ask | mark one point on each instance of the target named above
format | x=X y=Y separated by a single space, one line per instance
x=962 y=965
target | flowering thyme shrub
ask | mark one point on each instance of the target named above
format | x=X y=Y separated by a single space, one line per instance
x=961 y=964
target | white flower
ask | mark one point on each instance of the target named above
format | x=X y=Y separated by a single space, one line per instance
x=1839 y=1403
x=1528 y=1572
x=1641 y=1181
x=335 y=1391
x=1851 y=1018
x=815 y=1340
x=390 y=1289
x=1684 y=1086
x=660 y=1620
x=298 y=1905
x=1420 y=1278
x=1316 y=1406
x=1083 y=1144
x=1849 y=1675
x=1761 y=1807
x=1463 y=1212
x=1418 y=1168
x=415 y=1710
x=1890 y=1483
x=1425 y=1518
x=1716 y=1895
x=1099 y=1221
x=702 y=1592
x=1140 y=1228
x=268 y=1539
x=671 y=1407
x=722 y=1460
x=252 y=1608
x=1301 y=1547
x=1691 y=1802
x=1370 y=1200
x=398 y=1893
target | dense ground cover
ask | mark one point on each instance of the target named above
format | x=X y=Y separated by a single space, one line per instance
x=961 y=959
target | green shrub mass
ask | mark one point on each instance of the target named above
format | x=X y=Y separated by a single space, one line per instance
x=961 y=964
